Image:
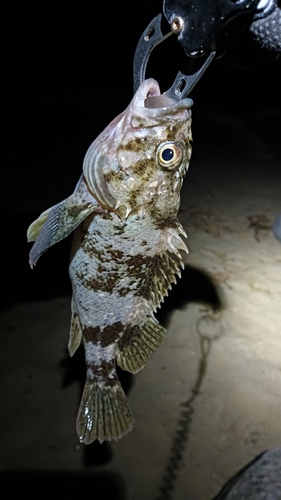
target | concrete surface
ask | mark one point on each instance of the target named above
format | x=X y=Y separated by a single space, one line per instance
x=209 y=400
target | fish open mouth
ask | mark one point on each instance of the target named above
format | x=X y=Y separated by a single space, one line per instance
x=158 y=101
x=149 y=96
x=151 y=108
x=154 y=98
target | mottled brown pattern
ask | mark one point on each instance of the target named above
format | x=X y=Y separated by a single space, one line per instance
x=134 y=145
x=113 y=175
x=106 y=336
x=157 y=213
x=135 y=262
x=129 y=333
x=108 y=253
x=117 y=255
x=74 y=210
x=145 y=167
x=147 y=271
x=104 y=371
x=100 y=283
x=123 y=291
x=165 y=223
x=173 y=130
x=119 y=229
x=134 y=196
x=144 y=271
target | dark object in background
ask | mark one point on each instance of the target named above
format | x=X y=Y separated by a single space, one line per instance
x=277 y=227
x=222 y=22
x=261 y=479
x=266 y=32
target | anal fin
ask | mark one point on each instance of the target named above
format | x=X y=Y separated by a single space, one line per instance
x=75 y=334
x=138 y=343
x=104 y=412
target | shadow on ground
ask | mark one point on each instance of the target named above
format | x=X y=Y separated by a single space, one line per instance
x=105 y=485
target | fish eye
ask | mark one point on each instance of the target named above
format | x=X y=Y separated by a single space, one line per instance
x=169 y=155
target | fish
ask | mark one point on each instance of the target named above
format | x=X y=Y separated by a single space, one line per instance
x=127 y=249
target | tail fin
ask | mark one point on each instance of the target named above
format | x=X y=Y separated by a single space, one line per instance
x=104 y=413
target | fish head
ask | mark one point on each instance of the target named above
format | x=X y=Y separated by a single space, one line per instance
x=138 y=163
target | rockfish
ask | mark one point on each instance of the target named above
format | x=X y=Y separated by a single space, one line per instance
x=126 y=249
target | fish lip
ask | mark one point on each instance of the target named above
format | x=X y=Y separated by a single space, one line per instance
x=149 y=87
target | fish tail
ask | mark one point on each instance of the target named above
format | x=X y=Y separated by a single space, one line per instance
x=104 y=412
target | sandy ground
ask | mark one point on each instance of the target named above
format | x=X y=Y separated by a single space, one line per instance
x=209 y=400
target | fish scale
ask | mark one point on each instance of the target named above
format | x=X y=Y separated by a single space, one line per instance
x=126 y=251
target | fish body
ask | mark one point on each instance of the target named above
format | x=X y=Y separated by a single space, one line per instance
x=126 y=250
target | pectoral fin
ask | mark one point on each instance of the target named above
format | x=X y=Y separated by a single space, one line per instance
x=59 y=221
x=36 y=226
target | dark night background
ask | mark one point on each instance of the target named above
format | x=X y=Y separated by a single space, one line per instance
x=69 y=72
